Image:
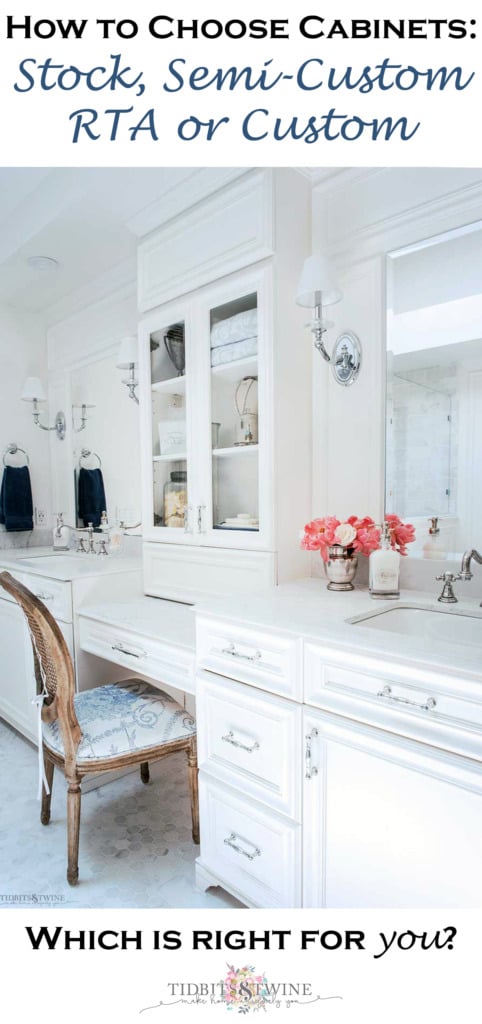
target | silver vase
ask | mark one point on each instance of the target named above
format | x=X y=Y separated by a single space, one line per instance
x=175 y=348
x=341 y=567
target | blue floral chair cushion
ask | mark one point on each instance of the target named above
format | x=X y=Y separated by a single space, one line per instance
x=128 y=716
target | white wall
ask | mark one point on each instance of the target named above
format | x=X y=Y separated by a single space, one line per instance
x=23 y=352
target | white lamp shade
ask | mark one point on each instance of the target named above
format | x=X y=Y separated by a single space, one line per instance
x=127 y=353
x=317 y=283
x=32 y=390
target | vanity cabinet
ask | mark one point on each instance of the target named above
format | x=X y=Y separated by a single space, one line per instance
x=387 y=822
x=368 y=774
x=249 y=796
x=226 y=464
x=18 y=685
x=64 y=598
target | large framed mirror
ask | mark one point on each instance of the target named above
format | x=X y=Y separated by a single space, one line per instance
x=434 y=390
x=105 y=437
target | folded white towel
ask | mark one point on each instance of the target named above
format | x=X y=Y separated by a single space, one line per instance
x=235 y=328
x=237 y=350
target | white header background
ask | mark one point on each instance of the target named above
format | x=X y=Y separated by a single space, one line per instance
x=36 y=128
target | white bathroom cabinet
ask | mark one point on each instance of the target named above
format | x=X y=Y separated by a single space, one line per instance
x=388 y=822
x=63 y=598
x=243 y=492
x=320 y=787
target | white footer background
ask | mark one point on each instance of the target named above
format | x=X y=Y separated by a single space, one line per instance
x=124 y=986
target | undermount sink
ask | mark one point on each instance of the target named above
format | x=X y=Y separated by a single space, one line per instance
x=437 y=624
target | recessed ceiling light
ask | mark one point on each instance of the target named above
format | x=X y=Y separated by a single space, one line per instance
x=46 y=264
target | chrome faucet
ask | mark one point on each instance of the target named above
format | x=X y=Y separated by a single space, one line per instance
x=465 y=570
x=447 y=596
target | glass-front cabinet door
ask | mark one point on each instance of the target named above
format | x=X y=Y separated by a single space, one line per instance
x=206 y=426
x=235 y=482
x=168 y=474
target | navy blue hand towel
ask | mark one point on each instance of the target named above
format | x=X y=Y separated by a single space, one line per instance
x=16 y=505
x=92 y=501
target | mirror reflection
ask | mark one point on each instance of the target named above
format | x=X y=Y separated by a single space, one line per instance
x=106 y=465
x=434 y=390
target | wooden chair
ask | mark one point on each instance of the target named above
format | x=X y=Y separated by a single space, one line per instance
x=103 y=729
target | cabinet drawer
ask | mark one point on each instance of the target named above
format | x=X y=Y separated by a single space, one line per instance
x=251 y=740
x=261 y=659
x=55 y=594
x=253 y=851
x=440 y=710
x=162 y=662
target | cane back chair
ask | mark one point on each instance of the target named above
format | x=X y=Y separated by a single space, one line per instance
x=103 y=729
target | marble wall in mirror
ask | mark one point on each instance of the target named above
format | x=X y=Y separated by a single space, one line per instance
x=434 y=390
x=110 y=437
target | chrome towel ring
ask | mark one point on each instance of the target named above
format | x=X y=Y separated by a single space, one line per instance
x=86 y=454
x=12 y=449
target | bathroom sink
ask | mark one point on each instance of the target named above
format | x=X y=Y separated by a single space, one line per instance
x=418 y=622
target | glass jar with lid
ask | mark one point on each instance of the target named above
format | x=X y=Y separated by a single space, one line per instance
x=175 y=499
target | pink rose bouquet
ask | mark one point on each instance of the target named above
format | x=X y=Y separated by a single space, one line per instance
x=362 y=536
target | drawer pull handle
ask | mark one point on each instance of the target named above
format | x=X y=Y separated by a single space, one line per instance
x=229 y=738
x=231 y=649
x=124 y=650
x=310 y=769
x=231 y=841
x=44 y=597
x=429 y=705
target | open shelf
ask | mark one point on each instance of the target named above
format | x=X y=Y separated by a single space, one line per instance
x=173 y=386
x=239 y=368
x=175 y=457
x=237 y=449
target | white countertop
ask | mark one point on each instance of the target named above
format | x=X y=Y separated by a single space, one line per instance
x=306 y=608
x=167 y=621
x=303 y=608
x=68 y=565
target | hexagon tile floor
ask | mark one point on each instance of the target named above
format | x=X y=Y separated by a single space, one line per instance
x=135 y=841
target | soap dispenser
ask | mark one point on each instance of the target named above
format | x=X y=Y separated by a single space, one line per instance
x=384 y=568
x=61 y=534
x=434 y=546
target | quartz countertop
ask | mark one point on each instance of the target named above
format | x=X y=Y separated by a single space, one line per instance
x=167 y=621
x=306 y=608
x=68 y=565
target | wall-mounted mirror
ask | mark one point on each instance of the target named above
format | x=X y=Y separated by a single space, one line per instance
x=434 y=390
x=110 y=437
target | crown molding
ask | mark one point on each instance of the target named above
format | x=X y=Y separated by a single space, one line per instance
x=121 y=278
x=422 y=220
x=332 y=179
x=199 y=184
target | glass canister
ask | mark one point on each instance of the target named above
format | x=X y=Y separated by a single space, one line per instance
x=175 y=498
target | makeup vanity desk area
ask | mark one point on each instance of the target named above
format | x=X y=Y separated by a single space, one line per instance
x=340 y=765
x=147 y=635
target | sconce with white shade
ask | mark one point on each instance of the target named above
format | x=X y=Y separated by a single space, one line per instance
x=317 y=288
x=83 y=416
x=127 y=359
x=33 y=391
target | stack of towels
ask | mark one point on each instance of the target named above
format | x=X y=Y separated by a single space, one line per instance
x=16 y=506
x=234 y=338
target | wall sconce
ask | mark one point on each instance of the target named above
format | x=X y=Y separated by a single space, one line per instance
x=127 y=360
x=83 y=416
x=316 y=289
x=34 y=392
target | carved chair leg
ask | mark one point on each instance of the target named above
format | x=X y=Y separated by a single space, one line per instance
x=145 y=771
x=73 y=826
x=193 y=788
x=46 y=798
